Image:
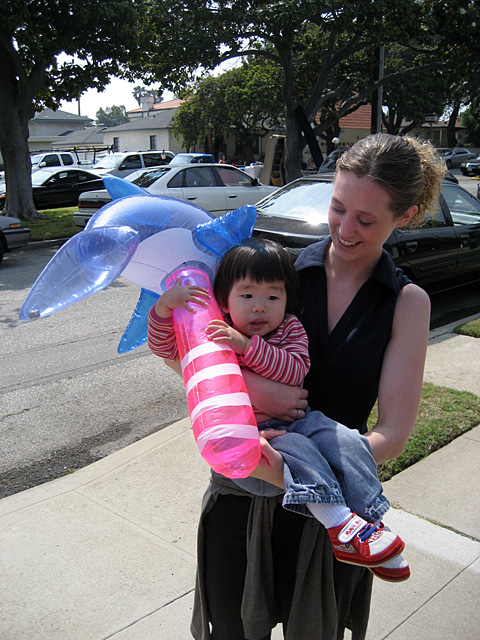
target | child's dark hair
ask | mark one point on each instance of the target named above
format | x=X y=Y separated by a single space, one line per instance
x=261 y=260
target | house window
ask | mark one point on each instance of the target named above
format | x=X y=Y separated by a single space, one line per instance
x=116 y=144
x=153 y=143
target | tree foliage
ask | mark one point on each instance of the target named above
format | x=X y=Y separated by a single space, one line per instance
x=471 y=120
x=245 y=101
x=111 y=116
x=101 y=37
x=310 y=41
x=140 y=91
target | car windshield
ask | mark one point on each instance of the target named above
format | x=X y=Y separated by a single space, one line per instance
x=302 y=200
x=149 y=177
x=40 y=176
x=108 y=162
x=444 y=152
x=36 y=159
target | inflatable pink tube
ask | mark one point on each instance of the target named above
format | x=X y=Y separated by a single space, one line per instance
x=222 y=417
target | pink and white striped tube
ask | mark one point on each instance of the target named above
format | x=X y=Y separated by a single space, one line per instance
x=222 y=417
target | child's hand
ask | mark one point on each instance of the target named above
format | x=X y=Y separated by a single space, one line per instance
x=220 y=331
x=180 y=296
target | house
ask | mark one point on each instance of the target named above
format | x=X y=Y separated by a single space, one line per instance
x=48 y=126
x=149 y=128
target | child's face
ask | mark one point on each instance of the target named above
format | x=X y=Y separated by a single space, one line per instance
x=256 y=308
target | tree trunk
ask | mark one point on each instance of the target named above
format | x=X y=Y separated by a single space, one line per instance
x=15 y=113
x=451 y=137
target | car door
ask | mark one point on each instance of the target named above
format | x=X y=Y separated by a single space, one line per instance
x=54 y=193
x=239 y=188
x=200 y=186
x=428 y=254
x=464 y=210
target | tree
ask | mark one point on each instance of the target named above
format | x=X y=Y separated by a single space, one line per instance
x=102 y=36
x=112 y=116
x=332 y=32
x=244 y=101
x=409 y=100
x=140 y=91
x=471 y=120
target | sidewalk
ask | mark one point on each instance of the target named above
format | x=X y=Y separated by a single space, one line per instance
x=109 y=551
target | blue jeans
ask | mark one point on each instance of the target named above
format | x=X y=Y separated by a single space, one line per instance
x=324 y=462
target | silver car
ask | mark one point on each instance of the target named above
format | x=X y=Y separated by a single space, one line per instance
x=217 y=188
x=13 y=235
x=454 y=157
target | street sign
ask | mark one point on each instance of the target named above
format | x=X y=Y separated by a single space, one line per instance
x=431 y=118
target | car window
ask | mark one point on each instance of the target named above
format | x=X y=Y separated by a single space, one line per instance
x=131 y=162
x=148 y=178
x=51 y=160
x=155 y=159
x=233 y=178
x=67 y=160
x=300 y=200
x=81 y=176
x=464 y=208
x=108 y=162
x=59 y=178
x=199 y=177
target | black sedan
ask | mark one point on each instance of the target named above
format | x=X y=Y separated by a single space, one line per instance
x=443 y=253
x=59 y=187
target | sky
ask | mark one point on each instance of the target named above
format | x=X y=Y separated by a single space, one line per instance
x=118 y=92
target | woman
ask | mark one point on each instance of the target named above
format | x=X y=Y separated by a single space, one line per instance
x=367 y=324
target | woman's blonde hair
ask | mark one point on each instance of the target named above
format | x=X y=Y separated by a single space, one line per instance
x=408 y=169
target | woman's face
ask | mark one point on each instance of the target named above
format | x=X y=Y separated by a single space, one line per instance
x=359 y=217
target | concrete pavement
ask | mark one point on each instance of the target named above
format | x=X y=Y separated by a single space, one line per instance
x=109 y=551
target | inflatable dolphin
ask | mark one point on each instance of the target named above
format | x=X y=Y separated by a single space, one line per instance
x=142 y=238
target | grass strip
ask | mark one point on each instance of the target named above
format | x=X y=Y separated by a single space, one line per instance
x=58 y=223
x=444 y=414
x=471 y=329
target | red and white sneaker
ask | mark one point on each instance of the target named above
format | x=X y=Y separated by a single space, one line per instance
x=359 y=542
x=396 y=570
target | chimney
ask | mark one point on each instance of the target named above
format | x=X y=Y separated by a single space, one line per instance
x=147 y=103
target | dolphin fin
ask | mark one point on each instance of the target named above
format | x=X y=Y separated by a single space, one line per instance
x=220 y=234
x=119 y=188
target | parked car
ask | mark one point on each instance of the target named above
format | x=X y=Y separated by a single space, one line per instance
x=442 y=253
x=122 y=164
x=61 y=187
x=52 y=159
x=191 y=158
x=471 y=167
x=13 y=235
x=218 y=188
x=454 y=157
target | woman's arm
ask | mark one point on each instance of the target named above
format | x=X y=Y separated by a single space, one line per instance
x=275 y=398
x=401 y=379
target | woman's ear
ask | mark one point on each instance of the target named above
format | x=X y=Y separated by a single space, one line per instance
x=407 y=216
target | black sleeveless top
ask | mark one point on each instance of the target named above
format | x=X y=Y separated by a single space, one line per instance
x=346 y=365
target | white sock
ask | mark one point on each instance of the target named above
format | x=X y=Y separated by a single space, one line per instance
x=395 y=563
x=330 y=515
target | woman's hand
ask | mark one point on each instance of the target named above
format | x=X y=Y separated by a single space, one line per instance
x=270 y=466
x=275 y=399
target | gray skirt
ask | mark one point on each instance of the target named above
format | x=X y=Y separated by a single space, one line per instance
x=329 y=596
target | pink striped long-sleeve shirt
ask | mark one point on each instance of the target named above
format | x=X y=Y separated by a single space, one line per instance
x=282 y=357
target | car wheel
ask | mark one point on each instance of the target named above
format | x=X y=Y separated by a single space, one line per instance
x=1 y=252
x=449 y=164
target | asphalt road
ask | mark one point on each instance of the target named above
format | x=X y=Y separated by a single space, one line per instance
x=67 y=398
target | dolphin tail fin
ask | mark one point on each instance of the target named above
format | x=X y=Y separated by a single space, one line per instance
x=136 y=332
